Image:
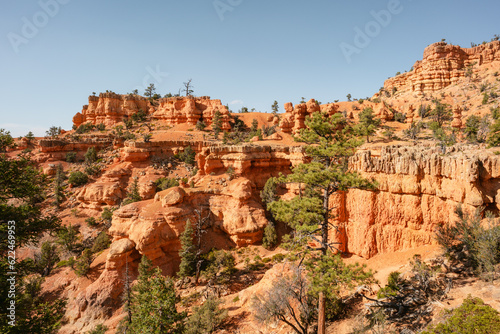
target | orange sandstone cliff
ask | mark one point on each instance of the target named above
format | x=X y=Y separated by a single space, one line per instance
x=442 y=65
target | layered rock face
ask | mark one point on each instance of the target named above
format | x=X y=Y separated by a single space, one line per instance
x=190 y=110
x=418 y=189
x=154 y=226
x=56 y=149
x=110 y=109
x=256 y=163
x=442 y=65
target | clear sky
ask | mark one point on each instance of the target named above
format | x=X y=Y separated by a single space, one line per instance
x=54 y=53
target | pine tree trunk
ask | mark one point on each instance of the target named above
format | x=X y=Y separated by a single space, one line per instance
x=324 y=235
x=321 y=314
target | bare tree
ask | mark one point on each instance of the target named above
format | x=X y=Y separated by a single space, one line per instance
x=187 y=87
x=289 y=300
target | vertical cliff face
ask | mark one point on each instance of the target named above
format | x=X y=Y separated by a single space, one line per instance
x=418 y=189
x=442 y=65
x=110 y=109
x=190 y=110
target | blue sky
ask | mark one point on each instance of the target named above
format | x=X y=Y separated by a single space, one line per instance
x=54 y=53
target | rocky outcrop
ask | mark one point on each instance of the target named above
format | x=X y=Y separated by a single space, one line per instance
x=293 y=119
x=56 y=149
x=418 y=189
x=255 y=162
x=153 y=227
x=442 y=65
x=190 y=110
x=111 y=108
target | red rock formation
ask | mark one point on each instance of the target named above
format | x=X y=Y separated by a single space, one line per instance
x=56 y=149
x=442 y=65
x=189 y=109
x=294 y=117
x=418 y=189
x=153 y=226
x=110 y=108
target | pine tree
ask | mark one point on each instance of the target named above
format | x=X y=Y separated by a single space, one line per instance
x=275 y=108
x=367 y=123
x=441 y=112
x=217 y=124
x=46 y=260
x=331 y=141
x=58 y=189
x=150 y=90
x=133 y=195
x=153 y=303
x=90 y=156
x=187 y=252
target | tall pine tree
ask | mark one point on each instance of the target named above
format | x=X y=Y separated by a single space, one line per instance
x=187 y=252
x=331 y=141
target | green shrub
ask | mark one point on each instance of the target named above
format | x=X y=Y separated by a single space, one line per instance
x=139 y=116
x=469 y=242
x=486 y=98
x=68 y=237
x=99 y=329
x=133 y=194
x=399 y=117
x=270 y=237
x=71 y=157
x=230 y=171
x=82 y=265
x=66 y=263
x=91 y=221
x=84 y=128
x=206 y=318
x=277 y=258
x=219 y=265
x=164 y=183
x=93 y=170
x=187 y=156
x=78 y=178
x=268 y=130
x=473 y=316
x=101 y=127
x=91 y=155
x=101 y=243
x=201 y=125
x=107 y=215
x=392 y=286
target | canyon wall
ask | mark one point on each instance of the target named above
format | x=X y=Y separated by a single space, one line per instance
x=442 y=65
x=418 y=189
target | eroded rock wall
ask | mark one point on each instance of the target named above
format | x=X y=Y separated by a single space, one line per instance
x=442 y=65
x=111 y=109
x=418 y=189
